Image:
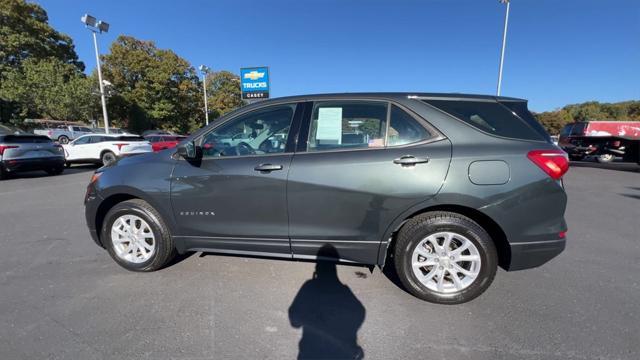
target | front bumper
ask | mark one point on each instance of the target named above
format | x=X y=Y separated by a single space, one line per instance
x=533 y=254
x=32 y=164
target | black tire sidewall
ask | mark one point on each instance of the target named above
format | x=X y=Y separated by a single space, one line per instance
x=63 y=139
x=466 y=228
x=154 y=262
x=105 y=154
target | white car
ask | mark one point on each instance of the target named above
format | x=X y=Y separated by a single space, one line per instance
x=104 y=148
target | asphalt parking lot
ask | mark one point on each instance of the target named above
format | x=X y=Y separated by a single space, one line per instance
x=61 y=296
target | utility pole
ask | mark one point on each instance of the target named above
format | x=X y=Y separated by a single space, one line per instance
x=205 y=71
x=504 y=43
x=98 y=26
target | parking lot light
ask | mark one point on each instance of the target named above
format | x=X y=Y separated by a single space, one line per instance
x=205 y=71
x=98 y=26
x=504 y=42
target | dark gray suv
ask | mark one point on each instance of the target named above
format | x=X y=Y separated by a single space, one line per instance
x=446 y=187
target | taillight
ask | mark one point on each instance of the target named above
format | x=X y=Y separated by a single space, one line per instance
x=5 y=147
x=95 y=177
x=120 y=146
x=552 y=162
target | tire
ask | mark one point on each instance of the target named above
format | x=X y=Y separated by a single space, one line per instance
x=576 y=157
x=426 y=228
x=605 y=158
x=163 y=247
x=3 y=174
x=108 y=158
x=63 y=139
x=57 y=170
x=67 y=164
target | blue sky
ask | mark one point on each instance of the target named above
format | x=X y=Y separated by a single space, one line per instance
x=558 y=52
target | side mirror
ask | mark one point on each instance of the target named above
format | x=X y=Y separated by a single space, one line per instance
x=188 y=150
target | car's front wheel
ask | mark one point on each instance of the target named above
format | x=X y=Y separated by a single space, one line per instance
x=445 y=258
x=136 y=236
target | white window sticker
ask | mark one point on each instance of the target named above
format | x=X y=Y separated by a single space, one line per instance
x=330 y=125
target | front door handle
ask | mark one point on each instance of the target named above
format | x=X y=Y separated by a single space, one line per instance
x=410 y=160
x=267 y=167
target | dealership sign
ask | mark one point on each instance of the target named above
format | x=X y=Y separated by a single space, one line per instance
x=255 y=82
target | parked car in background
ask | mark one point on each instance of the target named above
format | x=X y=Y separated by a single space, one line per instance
x=156 y=132
x=21 y=151
x=161 y=142
x=104 y=148
x=445 y=187
x=603 y=139
x=64 y=134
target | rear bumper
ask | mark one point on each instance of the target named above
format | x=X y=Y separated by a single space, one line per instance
x=533 y=254
x=31 y=164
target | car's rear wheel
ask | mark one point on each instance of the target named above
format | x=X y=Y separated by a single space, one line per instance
x=108 y=158
x=63 y=139
x=136 y=236
x=445 y=258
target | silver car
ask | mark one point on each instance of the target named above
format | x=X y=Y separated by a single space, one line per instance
x=21 y=151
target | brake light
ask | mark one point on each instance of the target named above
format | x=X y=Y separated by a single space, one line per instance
x=5 y=147
x=553 y=162
x=120 y=146
x=95 y=177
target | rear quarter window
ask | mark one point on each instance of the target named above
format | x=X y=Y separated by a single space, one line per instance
x=490 y=117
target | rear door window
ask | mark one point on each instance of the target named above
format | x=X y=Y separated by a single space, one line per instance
x=337 y=125
x=489 y=116
x=404 y=129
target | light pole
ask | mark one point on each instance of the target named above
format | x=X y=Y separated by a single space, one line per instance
x=98 y=26
x=205 y=70
x=504 y=43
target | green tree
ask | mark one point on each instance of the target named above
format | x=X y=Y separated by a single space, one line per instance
x=553 y=121
x=223 y=91
x=154 y=87
x=49 y=88
x=25 y=33
x=25 y=40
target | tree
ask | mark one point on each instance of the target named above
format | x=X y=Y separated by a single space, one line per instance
x=25 y=33
x=49 y=88
x=27 y=42
x=554 y=121
x=223 y=91
x=154 y=87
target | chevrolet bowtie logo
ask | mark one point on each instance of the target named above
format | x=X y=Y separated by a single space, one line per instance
x=254 y=75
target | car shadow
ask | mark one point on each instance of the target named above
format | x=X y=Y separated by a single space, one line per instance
x=75 y=169
x=328 y=313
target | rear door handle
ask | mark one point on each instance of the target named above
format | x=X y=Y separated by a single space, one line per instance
x=409 y=160
x=267 y=167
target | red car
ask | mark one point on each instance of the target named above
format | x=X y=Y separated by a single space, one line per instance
x=161 y=142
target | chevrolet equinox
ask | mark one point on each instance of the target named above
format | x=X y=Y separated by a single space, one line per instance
x=444 y=187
